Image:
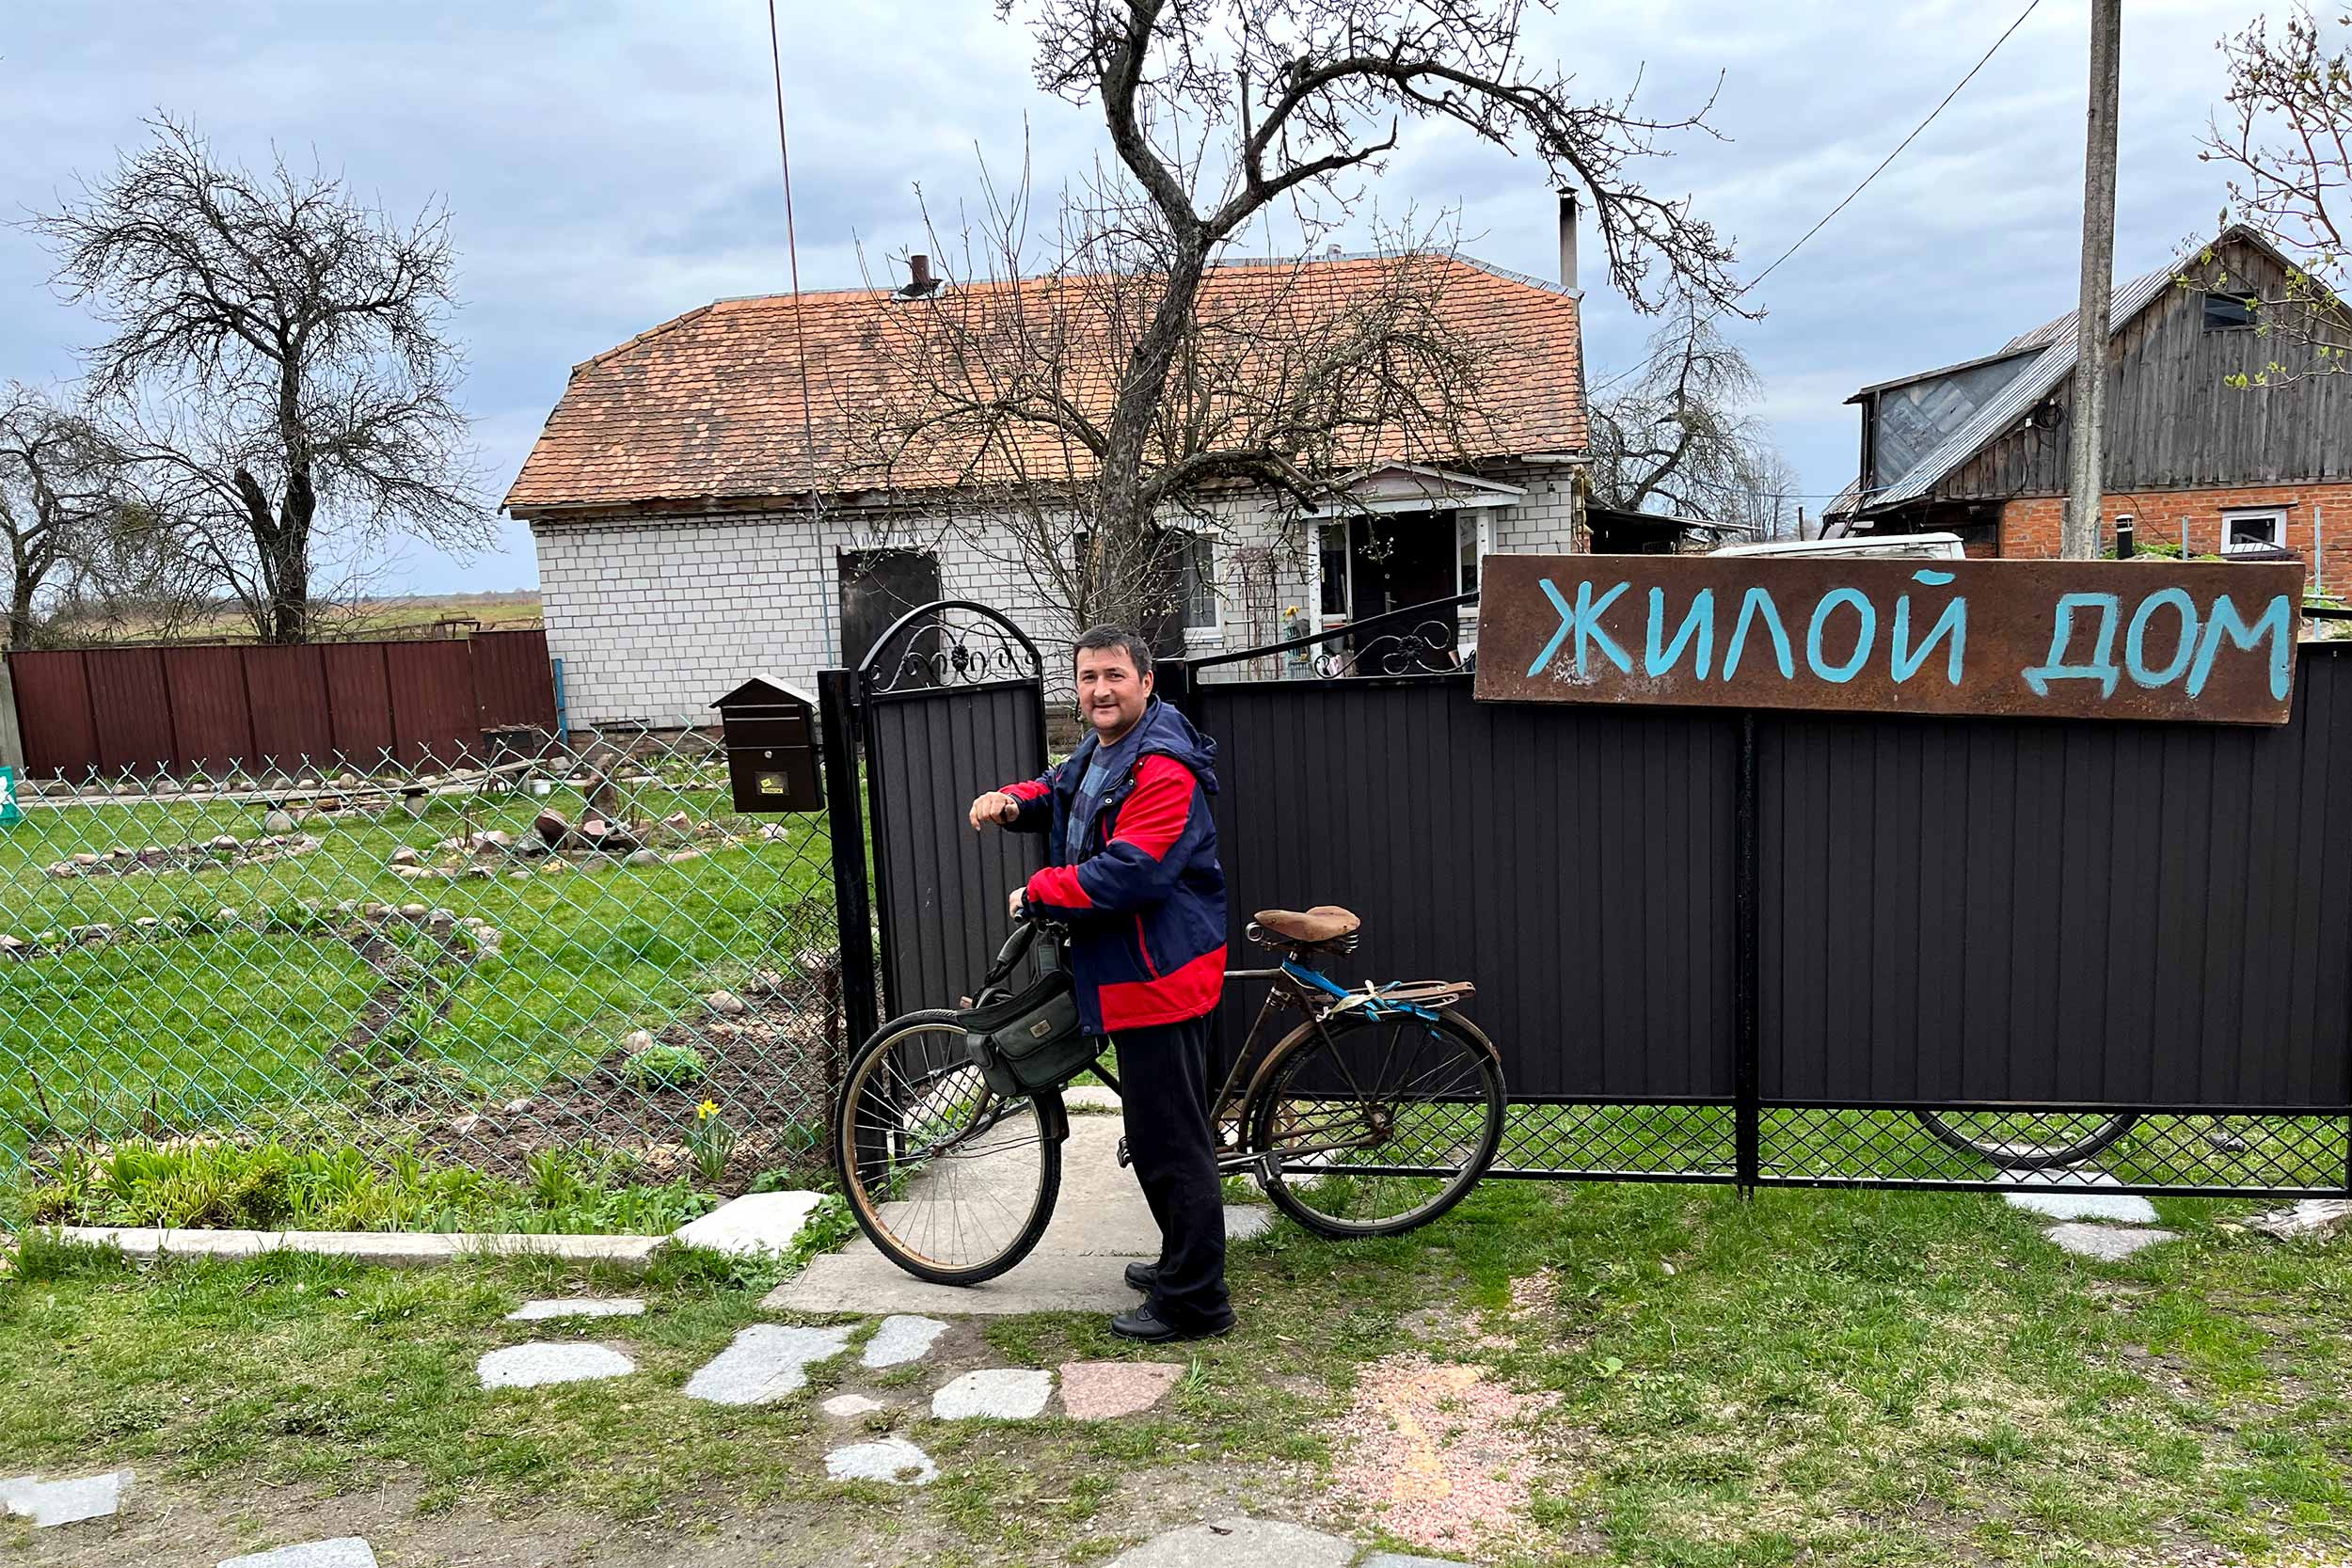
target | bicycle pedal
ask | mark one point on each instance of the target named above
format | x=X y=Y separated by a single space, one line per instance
x=1124 y=1158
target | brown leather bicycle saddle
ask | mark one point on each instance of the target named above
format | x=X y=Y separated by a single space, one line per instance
x=1324 y=923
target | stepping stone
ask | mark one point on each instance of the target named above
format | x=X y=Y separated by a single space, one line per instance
x=999 y=1393
x=347 y=1551
x=903 y=1336
x=2313 y=1216
x=544 y=1361
x=1245 y=1220
x=847 y=1407
x=893 y=1459
x=577 y=1306
x=764 y=1363
x=49 y=1504
x=2109 y=1244
x=1240 y=1542
x=753 y=1223
x=1099 y=1390
x=2076 y=1205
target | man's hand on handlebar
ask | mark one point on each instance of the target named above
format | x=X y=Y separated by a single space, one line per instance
x=1012 y=905
x=994 y=809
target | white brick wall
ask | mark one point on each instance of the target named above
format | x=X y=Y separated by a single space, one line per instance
x=654 y=617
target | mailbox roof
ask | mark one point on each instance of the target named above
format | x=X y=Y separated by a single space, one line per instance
x=766 y=691
x=708 y=407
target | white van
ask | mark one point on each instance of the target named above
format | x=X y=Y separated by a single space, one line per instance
x=1897 y=547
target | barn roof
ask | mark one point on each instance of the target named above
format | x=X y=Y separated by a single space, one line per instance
x=708 y=406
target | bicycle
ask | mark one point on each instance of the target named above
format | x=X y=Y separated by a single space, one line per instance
x=1377 y=1114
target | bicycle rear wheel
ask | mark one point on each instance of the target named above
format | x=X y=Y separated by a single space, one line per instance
x=1381 y=1127
x=952 y=1182
x=2029 y=1140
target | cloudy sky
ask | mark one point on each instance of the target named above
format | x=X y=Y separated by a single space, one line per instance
x=609 y=166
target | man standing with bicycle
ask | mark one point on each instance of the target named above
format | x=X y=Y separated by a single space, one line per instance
x=1132 y=869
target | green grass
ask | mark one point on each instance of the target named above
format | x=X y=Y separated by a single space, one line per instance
x=227 y=1025
x=1821 y=1377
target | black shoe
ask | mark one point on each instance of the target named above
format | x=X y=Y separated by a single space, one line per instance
x=1145 y=1324
x=1143 y=1276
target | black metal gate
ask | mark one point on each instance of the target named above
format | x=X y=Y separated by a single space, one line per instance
x=947 y=704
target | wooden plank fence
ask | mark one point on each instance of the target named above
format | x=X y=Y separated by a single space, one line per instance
x=209 y=709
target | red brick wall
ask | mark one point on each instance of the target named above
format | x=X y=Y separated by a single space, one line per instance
x=2030 y=526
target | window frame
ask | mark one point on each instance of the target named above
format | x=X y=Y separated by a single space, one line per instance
x=1203 y=573
x=2232 y=516
x=2247 y=303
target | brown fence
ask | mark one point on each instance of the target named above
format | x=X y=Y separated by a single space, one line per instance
x=183 y=710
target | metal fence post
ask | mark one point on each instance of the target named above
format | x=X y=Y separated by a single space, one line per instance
x=1747 y=877
x=836 y=722
x=1171 y=681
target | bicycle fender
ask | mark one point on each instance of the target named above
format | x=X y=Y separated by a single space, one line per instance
x=1053 y=1117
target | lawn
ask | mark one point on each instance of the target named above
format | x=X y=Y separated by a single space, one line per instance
x=1815 y=1377
x=249 y=1004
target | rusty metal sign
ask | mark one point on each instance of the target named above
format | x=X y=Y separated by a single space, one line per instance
x=2208 y=642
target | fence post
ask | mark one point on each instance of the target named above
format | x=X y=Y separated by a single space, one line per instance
x=11 y=738
x=851 y=897
x=1747 y=877
x=1172 y=682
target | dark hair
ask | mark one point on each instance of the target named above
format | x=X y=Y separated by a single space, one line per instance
x=1098 y=639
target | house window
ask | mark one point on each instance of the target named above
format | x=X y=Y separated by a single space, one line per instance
x=1332 y=557
x=2228 y=312
x=1467 y=529
x=2265 y=529
x=1192 y=566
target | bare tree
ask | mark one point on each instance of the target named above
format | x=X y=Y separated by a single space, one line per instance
x=1220 y=113
x=59 y=493
x=280 y=361
x=2285 y=137
x=1677 y=437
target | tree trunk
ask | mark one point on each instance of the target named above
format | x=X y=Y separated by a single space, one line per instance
x=1126 y=587
x=21 y=613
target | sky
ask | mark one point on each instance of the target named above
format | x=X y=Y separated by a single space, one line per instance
x=609 y=166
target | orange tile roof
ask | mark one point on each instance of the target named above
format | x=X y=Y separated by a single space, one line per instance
x=708 y=406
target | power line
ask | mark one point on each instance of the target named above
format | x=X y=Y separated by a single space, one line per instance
x=793 y=251
x=1981 y=62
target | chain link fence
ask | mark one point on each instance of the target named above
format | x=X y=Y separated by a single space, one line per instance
x=573 y=965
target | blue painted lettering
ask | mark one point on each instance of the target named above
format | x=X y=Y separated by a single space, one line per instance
x=2102 y=667
x=2276 y=622
x=1584 y=622
x=1952 y=623
x=1698 y=622
x=2135 y=635
x=1840 y=673
x=1758 y=603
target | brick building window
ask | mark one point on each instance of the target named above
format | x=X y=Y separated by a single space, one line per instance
x=2257 y=529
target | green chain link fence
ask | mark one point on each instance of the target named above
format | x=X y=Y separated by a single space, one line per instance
x=571 y=972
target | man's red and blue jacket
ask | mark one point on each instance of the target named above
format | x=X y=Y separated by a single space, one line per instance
x=1145 y=901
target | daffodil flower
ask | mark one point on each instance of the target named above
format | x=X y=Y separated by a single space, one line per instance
x=705 y=1111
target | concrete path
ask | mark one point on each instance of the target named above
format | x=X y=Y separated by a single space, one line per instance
x=1099 y=1226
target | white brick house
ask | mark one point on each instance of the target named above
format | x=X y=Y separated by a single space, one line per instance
x=680 y=549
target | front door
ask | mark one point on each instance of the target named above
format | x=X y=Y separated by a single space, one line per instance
x=1397 y=560
x=878 y=587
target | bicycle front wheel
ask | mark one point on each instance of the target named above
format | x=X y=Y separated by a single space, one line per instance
x=1370 y=1127
x=2029 y=1140
x=953 y=1182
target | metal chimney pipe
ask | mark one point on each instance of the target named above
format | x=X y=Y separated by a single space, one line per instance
x=920 y=270
x=1567 y=240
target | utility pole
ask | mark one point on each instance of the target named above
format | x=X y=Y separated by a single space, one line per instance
x=2087 y=449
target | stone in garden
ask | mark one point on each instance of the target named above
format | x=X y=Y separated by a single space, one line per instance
x=2313 y=1216
x=493 y=838
x=226 y=914
x=644 y=856
x=847 y=1407
x=98 y=935
x=677 y=820
x=49 y=1503
x=577 y=1306
x=86 y=858
x=543 y=1362
x=464 y=1126
x=226 y=841
x=441 y=920
x=405 y=856
x=1099 y=1390
x=1245 y=1220
x=278 y=822
x=347 y=1551
x=636 y=1040
x=416 y=805
x=516 y=1107
x=766 y=1362
x=726 y=1001
x=552 y=826
x=489 y=936
x=753 y=1223
x=994 y=1393
x=1240 y=1542
x=903 y=1336
x=519 y=871
x=10 y=944
x=1398 y=1559
x=893 y=1460
x=414 y=911
x=2085 y=1205
x=2107 y=1243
